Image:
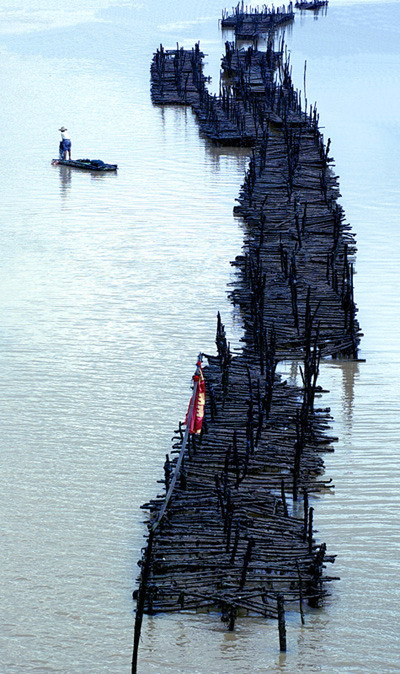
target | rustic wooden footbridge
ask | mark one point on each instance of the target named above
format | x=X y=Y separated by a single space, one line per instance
x=233 y=530
x=249 y=23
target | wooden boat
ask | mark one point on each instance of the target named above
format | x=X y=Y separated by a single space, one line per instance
x=87 y=164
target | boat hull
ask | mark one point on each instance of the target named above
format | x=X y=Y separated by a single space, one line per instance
x=85 y=164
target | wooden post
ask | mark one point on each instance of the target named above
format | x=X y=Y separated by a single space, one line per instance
x=305 y=525
x=300 y=593
x=246 y=562
x=281 y=622
x=296 y=468
x=232 y=613
x=141 y=600
x=310 y=529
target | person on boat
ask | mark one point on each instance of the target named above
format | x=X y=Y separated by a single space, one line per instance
x=65 y=145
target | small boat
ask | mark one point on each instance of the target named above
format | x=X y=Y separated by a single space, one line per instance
x=88 y=164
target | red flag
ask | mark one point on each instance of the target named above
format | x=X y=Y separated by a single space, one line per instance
x=195 y=413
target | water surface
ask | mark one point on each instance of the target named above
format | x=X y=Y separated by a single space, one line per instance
x=109 y=288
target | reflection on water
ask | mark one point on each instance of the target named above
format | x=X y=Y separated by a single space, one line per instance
x=216 y=154
x=350 y=371
x=67 y=174
x=65 y=180
x=316 y=13
x=345 y=378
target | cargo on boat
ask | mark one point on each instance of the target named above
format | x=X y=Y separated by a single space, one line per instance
x=87 y=164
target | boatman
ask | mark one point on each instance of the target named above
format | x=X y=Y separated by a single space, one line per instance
x=65 y=145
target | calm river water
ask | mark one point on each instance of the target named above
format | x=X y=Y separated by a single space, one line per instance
x=109 y=288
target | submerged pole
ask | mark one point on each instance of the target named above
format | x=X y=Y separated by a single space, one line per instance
x=141 y=600
x=281 y=622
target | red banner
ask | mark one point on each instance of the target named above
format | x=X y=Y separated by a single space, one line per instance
x=196 y=411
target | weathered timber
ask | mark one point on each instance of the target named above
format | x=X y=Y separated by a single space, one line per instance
x=314 y=4
x=227 y=531
x=298 y=248
x=281 y=622
x=226 y=534
x=287 y=265
x=250 y=23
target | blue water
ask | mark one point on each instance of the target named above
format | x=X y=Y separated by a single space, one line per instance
x=110 y=286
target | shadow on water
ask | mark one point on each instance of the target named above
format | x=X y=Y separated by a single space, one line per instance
x=316 y=12
x=66 y=180
x=65 y=173
x=214 y=154
x=350 y=373
x=182 y=117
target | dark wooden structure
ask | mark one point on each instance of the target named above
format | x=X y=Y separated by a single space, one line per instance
x=249 y=23
x=227 y=539
x=314 y=4
x=86 y=164
x=228 y=533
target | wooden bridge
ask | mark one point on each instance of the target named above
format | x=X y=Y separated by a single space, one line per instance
x=234 y=529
